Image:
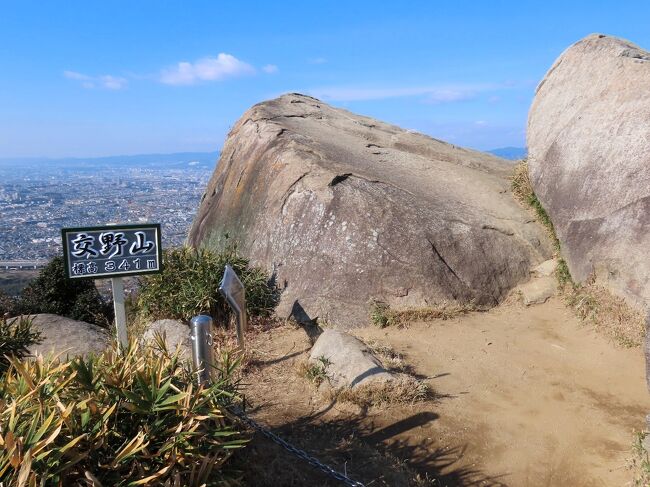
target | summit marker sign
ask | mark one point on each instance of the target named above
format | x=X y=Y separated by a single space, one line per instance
x=111 y=251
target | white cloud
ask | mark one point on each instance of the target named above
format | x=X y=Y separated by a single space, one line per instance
x=75 y=75
x=270 y=69
x=112 y=82
x=430 y=94
x=206 y=69
x=449 y=95
x=106 y=81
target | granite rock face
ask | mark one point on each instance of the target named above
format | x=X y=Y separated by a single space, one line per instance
x=589 y=161
x=344 y=209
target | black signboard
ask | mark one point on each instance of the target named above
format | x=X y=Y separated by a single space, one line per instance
x=112 y=251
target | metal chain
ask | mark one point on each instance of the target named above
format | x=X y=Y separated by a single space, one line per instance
x=303 y=455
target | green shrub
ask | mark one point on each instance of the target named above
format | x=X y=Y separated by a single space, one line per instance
x=115 y=420
x=563 y=274
x=52 y=292
x=380 y=314
x=16 y=335
x=189 y=284
x=8 y=305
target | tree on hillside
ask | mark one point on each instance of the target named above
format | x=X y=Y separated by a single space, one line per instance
x=52 y=292
x=8 y=304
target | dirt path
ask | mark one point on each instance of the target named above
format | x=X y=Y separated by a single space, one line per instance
x=530 y=397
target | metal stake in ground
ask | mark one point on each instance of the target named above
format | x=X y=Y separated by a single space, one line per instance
x=233 y=290
x=202 y=353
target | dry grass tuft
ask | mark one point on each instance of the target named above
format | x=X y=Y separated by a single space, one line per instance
x=522 y=188
x=314 y=371
x=382 y=315
x=445 y=311
x=639 y=463
x=403 y=390
x=609 y=314
x=389 y=358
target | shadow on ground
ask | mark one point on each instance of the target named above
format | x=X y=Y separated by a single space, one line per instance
x=373 y=455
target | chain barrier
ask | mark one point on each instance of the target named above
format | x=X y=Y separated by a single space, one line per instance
x=202 y=357
x=303 y=455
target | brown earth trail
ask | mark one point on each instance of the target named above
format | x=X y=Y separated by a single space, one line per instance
x=528 y=397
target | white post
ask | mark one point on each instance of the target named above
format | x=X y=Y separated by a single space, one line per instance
x=120 y=312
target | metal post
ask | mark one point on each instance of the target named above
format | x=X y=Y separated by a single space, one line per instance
x=120 y=313
x=202 y=353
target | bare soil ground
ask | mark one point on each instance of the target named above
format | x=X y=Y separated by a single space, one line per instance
x=526 y=397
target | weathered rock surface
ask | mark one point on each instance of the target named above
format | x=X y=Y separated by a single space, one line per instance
x=176 y=334
x=68 y=337
x=589 y=161
x=350 y=362
x=546 y=268
x=344 y=209
x=538 y=290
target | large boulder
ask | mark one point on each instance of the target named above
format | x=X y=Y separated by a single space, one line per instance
x=344 y=209
x=67 y=337
x=589 y=161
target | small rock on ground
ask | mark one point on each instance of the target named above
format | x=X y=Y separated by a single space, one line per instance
x=350 y=362
x=546 y=268
x=537 y=291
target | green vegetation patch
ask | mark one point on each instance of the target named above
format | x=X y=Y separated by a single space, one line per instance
x=315 y=371
x=16 y=336
x=115 y=420
x=189 y=284
x=52 y=292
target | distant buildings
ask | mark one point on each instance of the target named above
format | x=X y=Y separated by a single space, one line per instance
x=36 y=203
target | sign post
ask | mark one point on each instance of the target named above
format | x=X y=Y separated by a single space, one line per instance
x=117 y=285
x=233 y=290
x=113 y=252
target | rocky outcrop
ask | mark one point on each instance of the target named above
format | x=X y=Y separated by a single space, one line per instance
x=589 y=161
x=345 y=209
x=68 y=337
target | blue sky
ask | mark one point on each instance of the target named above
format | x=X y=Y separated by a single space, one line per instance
x=127 y=77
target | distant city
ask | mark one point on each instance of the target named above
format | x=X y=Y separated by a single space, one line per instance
x=39 y=197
